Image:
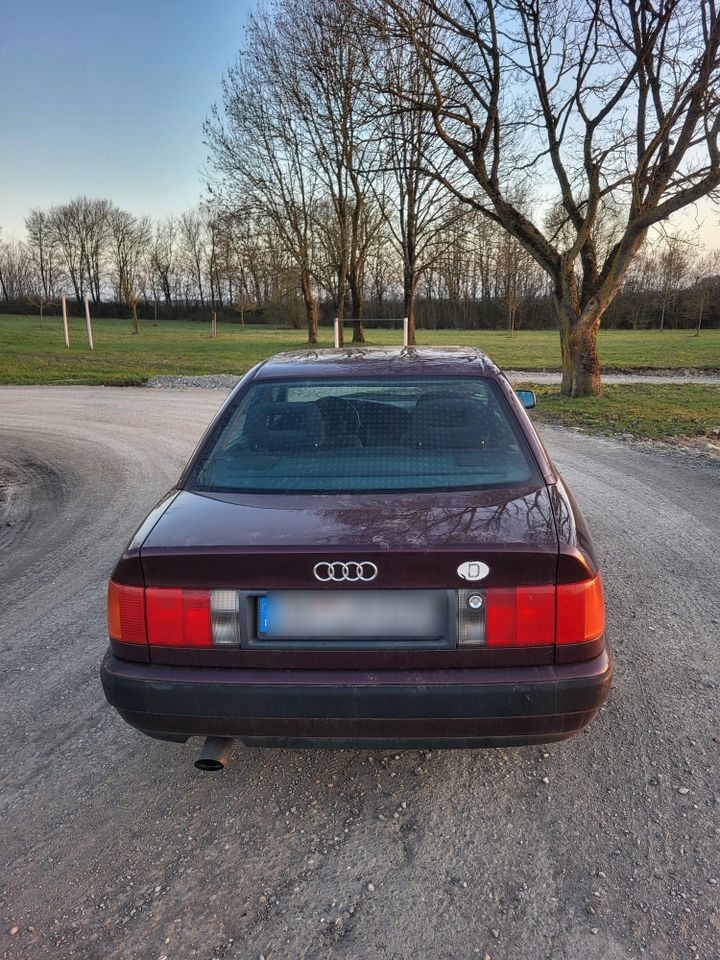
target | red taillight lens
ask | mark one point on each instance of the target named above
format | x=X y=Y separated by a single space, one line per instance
x=126 y=613
x=178 y=618
x=165 y=617
x=520 y=616
x=580 y=611
x=539 y=616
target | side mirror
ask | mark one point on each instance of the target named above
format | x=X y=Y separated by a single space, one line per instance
x=527 y=398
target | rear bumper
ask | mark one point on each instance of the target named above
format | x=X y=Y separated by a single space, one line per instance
x=468 y=707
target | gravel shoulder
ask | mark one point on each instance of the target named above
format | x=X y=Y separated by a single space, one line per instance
x=606 y=847
x=227 y=382
x=671 y=376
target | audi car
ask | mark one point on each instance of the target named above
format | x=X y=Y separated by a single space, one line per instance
x=368 y=548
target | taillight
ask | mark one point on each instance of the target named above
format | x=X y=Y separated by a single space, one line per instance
x=497 y=617
x=531 y=616
x=160 y=616
x=178 y=618
x=520 y=617
x=580 y=611
x=126 y=613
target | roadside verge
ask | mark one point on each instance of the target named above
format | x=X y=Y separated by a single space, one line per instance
x=686 y=414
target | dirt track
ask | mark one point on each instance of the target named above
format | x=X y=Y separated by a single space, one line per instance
x=114 y=846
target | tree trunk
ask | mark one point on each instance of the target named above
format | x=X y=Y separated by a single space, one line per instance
x=578 y=346
x=136 y=325
x=700 y=316
x=311 y=309
x=409 y=298
x=356 y=312
x=585 y=362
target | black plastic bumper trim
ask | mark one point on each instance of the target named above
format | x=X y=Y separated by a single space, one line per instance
x=146 y=689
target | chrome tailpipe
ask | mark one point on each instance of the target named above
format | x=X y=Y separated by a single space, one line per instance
x=214 y=754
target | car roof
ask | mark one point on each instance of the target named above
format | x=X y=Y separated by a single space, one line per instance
x=378 y=361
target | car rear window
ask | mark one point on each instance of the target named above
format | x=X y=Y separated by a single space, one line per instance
x=365 y=436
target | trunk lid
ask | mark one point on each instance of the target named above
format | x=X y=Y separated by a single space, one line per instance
x=417 y=540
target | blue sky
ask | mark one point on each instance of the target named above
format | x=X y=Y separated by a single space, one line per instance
x=107 y=98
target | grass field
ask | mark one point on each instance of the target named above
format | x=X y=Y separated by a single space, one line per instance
x=31 y=352
x=656 y=411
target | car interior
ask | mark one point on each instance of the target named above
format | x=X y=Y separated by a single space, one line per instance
x=435 y=422
x=370 y=437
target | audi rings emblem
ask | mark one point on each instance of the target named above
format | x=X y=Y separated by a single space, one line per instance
x=352 y=572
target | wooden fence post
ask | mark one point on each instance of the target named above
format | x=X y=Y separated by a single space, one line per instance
x=89 y=324
x=65 y=322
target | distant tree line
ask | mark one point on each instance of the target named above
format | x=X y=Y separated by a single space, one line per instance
x=474 y=277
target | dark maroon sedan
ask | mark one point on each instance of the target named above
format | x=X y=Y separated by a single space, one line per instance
x=369 y=547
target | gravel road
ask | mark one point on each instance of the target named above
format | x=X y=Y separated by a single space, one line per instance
x=605 y=847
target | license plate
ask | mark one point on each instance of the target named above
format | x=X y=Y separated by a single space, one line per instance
x=344 y=615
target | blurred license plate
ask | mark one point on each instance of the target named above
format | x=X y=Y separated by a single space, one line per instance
x=344 y=615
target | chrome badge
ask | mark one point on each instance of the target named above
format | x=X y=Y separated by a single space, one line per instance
x=473 y=570
x=338 y=571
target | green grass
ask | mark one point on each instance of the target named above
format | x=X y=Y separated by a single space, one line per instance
x=31 y=352
x=656 y=411
x=35 y=353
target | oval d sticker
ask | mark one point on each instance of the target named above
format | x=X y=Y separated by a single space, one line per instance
x=473 y=570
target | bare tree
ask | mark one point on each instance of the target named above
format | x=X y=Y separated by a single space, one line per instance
x=383 y=268
x=163 y=255
x=672 y=256
x=514 y=276
x=93 y=217
x=130 y=239
x=616 y=104
x=42 y=250
x=228 y=257
x=79 y=229
x=191 y=228
x=251 y=242
x=638 y=286
x=259 y=153
x=419 y=208
x=705 y=291
x=3 y=269
x=15 y=270
x=67 y=235
x=327 y=78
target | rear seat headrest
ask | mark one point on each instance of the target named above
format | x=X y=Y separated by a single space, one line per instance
x=284 y=426
x=447 y=423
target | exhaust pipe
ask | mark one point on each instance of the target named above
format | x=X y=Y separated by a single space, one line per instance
x=214 y=754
